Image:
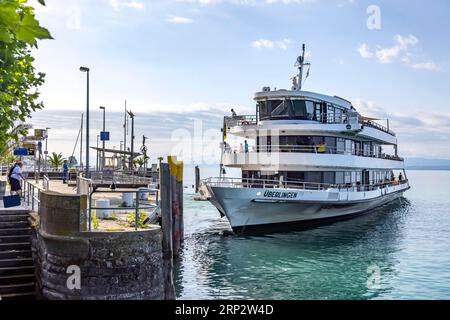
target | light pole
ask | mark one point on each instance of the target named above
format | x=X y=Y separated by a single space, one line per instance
x=103 y=144
x=97 y=163
x=85 y=69
x=131 y=114
x=46 y=149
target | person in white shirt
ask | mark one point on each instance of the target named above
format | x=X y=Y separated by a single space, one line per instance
x=16 y=178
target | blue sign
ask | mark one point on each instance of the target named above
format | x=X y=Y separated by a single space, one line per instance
x=22 y=152
x=104 y=136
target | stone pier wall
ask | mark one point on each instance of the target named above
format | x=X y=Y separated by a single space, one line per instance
x=74 y=264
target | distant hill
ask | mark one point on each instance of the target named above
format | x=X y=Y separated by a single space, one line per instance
x=427 y=164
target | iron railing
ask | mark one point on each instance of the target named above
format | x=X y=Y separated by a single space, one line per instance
x=31 y=192
x=137 y=207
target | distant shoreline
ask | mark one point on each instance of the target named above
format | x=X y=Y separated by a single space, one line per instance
x=418 y=168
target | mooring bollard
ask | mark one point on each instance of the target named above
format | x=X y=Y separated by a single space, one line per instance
x=167 y=225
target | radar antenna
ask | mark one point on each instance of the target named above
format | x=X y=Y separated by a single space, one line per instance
x=297 y=81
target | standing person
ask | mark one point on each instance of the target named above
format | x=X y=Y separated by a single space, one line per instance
x=246 y=146
x=241 y=148
x=16 y=177
x=65 y=171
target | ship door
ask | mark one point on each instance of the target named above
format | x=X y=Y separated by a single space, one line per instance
x=365 y=177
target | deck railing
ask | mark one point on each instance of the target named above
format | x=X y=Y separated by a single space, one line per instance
x=297 y=184
x=236 y=121
x=313 y=149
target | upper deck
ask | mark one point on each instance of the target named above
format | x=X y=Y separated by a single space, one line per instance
x=297 y=112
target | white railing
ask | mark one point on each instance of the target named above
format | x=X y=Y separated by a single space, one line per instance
x=84 y=185
x=297 y=184
x=313 y=149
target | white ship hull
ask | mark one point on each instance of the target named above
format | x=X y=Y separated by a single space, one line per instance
x=254 y=210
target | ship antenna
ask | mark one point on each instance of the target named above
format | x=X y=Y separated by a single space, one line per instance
x=298 y=80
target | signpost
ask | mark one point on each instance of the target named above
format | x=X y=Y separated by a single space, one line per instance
x=104 y=136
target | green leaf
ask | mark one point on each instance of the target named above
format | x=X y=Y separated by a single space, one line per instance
x=5 y=36
x=42 y=2
x=30 y=30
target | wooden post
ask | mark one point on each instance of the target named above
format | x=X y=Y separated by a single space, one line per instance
x=176 y=174
x=166 y=217
x=197 y=178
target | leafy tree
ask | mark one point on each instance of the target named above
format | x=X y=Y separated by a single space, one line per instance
x=139 y=162
x=56 y=160
x=19 y=81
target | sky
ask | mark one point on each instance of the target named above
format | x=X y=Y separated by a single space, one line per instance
x=181 y=64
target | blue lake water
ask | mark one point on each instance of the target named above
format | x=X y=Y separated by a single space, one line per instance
x=398 y=251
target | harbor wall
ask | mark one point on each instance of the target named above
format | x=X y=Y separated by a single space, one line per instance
x=72 y=263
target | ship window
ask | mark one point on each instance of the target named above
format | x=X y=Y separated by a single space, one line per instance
x=279 y=109
x=347 y=177
x=263 y=110
x=328 y=177
x=338 y=115
x=340 y=145
x=339 y=177
x=302 y=109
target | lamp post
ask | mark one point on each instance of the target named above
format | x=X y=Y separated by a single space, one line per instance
x=103 y=144
x=85 y=69
x=131 y=114
x=97 y=163
x=46 y=149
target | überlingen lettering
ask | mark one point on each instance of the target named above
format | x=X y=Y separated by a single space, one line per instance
x=280 y=194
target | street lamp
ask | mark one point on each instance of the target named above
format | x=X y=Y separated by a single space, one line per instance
x=97 y=163
x=85 y=69
x=46 y=149
x=131 y=114
x=104 y=129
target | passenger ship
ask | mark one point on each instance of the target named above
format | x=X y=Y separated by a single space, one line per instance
x=315 y=160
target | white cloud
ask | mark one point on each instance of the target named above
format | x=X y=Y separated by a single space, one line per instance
x=388 y=54
x=269 y=44
x=402 y=50
x=119 y=4
x=364 y=51
x=179 y=20
x=429 y=66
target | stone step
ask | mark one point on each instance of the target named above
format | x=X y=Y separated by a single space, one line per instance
x=16 y=262
x=15 y=239
x=21 y=278
x=14 y=217
x=17 y=288
x=14 y=232
x=14 y=224
x=13 y=211
x=14 y=254
x=15 y=246
x=15 y=271
x=19 y=296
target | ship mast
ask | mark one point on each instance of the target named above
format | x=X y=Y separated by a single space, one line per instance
x=298 y=79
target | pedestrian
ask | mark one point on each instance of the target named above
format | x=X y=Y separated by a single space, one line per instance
x=15 y=178
x=246 y=146
x=65 y=171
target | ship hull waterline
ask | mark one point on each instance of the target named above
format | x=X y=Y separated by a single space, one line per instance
x=249 y=214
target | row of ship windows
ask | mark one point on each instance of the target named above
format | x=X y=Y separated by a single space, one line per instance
x=300 y=110
x=309 y=144
x=365 y=177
